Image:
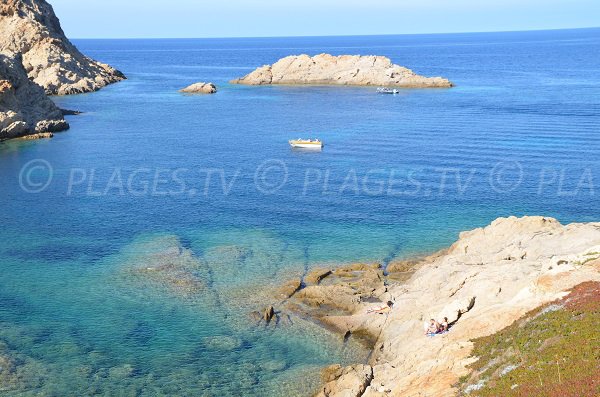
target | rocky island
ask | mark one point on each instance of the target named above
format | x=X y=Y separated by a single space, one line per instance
x=325 y=69
x=487 y=280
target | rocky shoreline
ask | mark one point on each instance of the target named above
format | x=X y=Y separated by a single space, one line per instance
x=37 y=59
x=24 y=107
x=30 y=28
x=326 y=69
x=484 y=282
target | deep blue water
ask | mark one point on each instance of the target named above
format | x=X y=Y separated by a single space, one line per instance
x=399 y=175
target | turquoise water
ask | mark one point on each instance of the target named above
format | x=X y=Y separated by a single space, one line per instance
x=132 y=273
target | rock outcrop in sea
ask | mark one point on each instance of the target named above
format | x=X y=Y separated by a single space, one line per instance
x=31 y=28
x=483 y=283
x=325 y=69
x=24 y=107
x=200 y=88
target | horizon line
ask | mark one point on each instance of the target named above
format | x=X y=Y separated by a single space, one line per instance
x=340 y=35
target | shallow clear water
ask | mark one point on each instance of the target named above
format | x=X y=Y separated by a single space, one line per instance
x=399 y=175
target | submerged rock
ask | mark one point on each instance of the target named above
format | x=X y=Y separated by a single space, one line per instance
x=31 y=28
x=222 y=342
x=200 y=88
x=24 y=107
x=121 y=372
x=162 y=263
x=325 y=69
x=273 y=365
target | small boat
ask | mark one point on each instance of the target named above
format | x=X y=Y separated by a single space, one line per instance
x=306 y=144
x=384 y=90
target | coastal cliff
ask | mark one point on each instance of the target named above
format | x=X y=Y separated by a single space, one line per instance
x=487 y=280
x=31 y=28
x=24 y=107
x=325 y=69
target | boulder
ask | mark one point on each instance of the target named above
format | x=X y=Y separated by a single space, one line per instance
x=326 y=69
x=455 y=309
x=268 y=314
x=31 y=28
x=347 y=382
x=200 y=88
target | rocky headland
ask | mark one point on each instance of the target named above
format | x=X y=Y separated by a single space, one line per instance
x=37 y=59
x=24 y=107
x=325 y=69
x=200 y=88
x=31 y=28
x=487 y=280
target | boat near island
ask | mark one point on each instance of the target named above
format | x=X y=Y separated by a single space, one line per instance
x=385 y=90
x=314 y=144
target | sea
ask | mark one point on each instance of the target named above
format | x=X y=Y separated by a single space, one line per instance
x=135 y=246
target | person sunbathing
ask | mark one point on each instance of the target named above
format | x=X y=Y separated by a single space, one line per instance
x=444 y=326
x=381 y=309
x=433 y=327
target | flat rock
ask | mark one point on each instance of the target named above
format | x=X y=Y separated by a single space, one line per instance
x=326 y=69
x=31 y=28
x=39 y=135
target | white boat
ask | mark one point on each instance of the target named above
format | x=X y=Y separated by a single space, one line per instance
x=306 y=144
x=384 y=90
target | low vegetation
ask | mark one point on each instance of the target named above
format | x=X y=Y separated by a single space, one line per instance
x=552 y=351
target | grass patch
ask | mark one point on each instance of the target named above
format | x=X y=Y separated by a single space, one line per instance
x=552 y=351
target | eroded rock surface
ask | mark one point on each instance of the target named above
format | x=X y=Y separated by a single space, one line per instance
x=31 y=28
x=325 y=69
x=24 y=107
